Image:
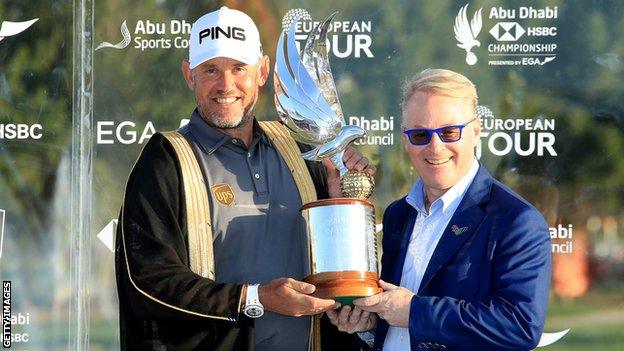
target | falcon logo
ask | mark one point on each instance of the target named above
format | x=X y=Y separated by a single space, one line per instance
x=12 y=28
x=1 y=230
x=466 y=34
x=507 y=31
x=223 y=193
x=125 y=33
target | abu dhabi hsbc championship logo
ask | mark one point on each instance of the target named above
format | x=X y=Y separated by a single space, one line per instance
x=466 y=33
x=8 y=28
x=519 y=35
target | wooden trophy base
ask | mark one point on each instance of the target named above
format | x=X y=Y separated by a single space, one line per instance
x=345 y=286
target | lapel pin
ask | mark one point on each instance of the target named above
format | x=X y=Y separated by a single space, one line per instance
x=457 y=230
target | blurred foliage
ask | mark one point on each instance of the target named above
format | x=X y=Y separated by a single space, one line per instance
x=35 y=87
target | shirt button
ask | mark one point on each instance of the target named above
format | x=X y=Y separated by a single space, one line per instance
x=234 y=141
x=249 y=154
x=257 y=176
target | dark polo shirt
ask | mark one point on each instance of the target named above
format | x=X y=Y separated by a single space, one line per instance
x=258 y=237
x=259 y=233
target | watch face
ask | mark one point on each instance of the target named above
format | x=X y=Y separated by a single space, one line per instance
x=254 y=311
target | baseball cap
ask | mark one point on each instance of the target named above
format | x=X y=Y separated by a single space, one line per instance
x=224 y=33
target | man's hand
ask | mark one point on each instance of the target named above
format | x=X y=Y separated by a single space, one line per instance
x=393 y=304
x=352 y=321
x=354 y=161
x=290 y=297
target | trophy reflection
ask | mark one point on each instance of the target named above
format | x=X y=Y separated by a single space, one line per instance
x=341 y=231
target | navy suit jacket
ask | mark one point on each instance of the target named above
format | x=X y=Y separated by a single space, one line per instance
x=485 y=288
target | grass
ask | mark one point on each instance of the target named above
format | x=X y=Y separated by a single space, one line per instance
x=596 y=321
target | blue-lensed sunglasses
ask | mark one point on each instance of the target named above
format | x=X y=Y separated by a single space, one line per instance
x=448 y=134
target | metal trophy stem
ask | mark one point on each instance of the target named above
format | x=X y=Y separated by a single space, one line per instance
x=341 y=231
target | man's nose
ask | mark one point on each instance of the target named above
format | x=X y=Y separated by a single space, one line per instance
x=436 y=142
x=225 y=82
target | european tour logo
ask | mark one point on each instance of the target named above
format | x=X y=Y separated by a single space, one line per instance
x=223 y=193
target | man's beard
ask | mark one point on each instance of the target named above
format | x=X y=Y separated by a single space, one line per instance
x=215 y=119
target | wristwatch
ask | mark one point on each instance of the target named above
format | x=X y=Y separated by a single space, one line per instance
x=253 y=308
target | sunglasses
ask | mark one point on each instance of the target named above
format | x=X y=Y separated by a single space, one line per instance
x=448 y=134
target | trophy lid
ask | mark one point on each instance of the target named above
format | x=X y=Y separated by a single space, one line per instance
x=337 y=201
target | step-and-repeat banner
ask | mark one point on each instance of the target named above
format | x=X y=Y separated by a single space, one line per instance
x=548 y=73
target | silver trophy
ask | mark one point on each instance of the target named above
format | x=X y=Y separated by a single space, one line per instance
x=341 y=231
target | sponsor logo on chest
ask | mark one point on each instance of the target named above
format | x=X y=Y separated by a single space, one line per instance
x=223 y=193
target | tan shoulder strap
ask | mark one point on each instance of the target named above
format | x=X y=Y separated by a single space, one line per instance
x=199 y=226
x=288 y=149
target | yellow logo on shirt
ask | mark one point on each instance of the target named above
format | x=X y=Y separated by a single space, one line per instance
x=223 y=193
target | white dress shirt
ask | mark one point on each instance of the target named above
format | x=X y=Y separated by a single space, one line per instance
x=426 y=234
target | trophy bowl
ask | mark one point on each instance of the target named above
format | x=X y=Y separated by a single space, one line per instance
x=343 y=248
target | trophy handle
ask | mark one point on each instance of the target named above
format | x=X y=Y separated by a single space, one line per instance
x=337 y=161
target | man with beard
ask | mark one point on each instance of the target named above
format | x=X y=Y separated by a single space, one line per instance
x=237 y=283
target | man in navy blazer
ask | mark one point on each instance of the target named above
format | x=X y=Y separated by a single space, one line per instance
x=466 y=262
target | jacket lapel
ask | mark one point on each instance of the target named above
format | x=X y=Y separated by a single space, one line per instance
x=401 y=244
x=462 y=225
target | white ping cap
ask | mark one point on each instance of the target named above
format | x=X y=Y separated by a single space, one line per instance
x=224 y=33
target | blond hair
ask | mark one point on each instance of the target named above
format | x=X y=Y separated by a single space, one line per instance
x=443 y=82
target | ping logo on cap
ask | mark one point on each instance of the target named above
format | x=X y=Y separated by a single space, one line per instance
x=213 y=33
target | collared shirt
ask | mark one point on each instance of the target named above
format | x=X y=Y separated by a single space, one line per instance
x=426 y=234
x=259 y=232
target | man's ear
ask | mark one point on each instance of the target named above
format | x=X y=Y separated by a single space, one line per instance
x=265 y=68
x=187 y=73
x=477 y=128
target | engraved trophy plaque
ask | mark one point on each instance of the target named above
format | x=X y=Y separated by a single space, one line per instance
x=341 y=231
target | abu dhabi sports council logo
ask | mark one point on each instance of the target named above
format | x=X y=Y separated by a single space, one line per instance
x=125 y=33
x=466 y=33
x=146 y=34
x=1 y=230
x=9 y=28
